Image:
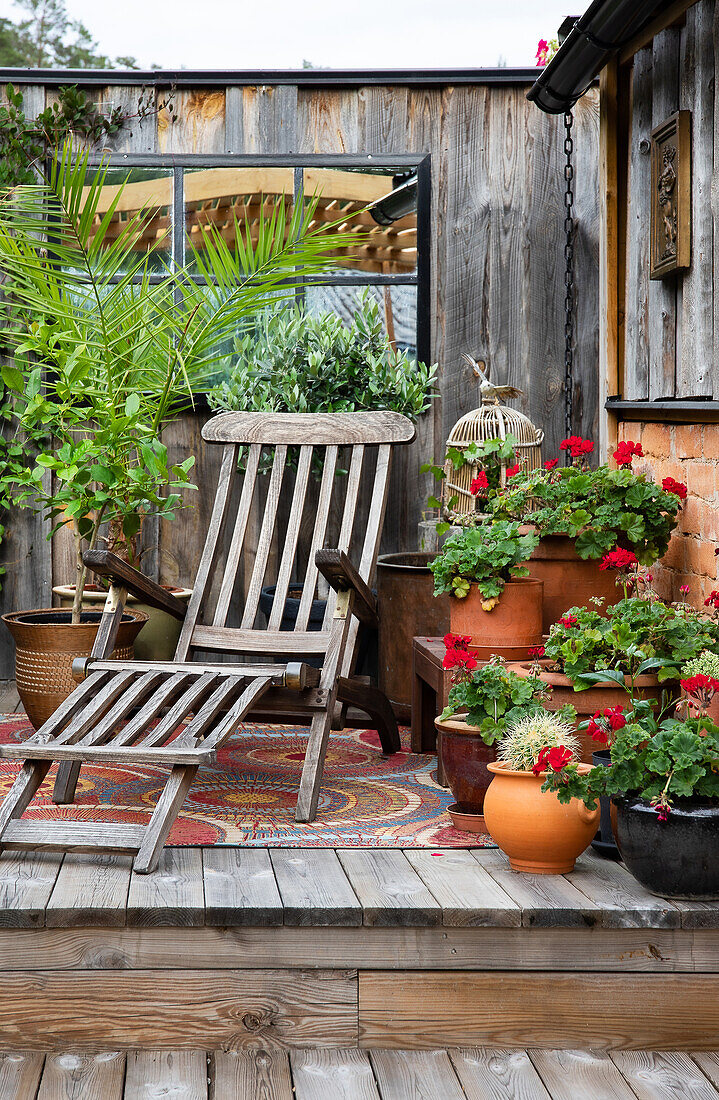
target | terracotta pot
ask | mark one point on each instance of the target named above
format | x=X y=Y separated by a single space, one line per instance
x=46 y=644
x=533 y=828
x=569 y=581
x=587 y=703
x=159 y=638
x=512 y=626
x=407 y=608
x=465 y=758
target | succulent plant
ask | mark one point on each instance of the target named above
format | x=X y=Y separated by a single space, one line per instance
x=523 y=743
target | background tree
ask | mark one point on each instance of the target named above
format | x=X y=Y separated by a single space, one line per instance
x=48 y=38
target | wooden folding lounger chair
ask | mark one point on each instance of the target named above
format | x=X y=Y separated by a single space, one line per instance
x=130 y=710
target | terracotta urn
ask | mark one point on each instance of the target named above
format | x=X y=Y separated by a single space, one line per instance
x=588 y=702
x=536 y=832
x=509 y=629
x=465 y=759
x=569 y=581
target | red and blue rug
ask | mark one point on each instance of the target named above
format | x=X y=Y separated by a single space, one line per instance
x=367 y=800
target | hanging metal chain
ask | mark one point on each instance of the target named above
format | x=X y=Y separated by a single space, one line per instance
x=568 y=276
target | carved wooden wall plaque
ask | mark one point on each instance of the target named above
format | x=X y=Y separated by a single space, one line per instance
x=671 y=199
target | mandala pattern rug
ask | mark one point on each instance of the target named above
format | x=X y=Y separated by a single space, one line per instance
x=367 y=800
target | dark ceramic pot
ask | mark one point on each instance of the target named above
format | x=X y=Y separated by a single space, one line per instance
x=464 y=759
x=678 y=858
x=604 y=841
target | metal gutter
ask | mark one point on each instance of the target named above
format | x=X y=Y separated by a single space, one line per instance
x=605 y=27
x=678 y=411
x=314 y=78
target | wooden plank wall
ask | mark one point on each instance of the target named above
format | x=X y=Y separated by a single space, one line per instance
x=497 y=258
x=670 y=330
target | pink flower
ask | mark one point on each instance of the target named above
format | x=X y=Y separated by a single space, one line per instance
x=542 y=53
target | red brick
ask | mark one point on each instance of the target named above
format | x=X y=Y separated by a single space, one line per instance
x=709 y=521
x=688 y=441
x=674 y=557
x=690 y=521
x=701 y=479
x=710 y=443
x=656 y=440
x=707 y=559
x=692 y=556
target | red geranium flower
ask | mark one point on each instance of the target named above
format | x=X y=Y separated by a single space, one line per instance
x=535 y=651
x=512 y=471
x=701 y=689
x=457 y=654
x=615 y=718
x=576 y=446
x=662 y=812
x=569 y=621
x=555 y=758
x=625 y=452
x=669 y=485
x=457 y=641
x=712 y=599
x=480 y=482
x=597 y=732
x=551 y=463
x=618 y=559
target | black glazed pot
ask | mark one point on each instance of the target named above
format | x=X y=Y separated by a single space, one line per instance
x=678 y=858
x=604 y=842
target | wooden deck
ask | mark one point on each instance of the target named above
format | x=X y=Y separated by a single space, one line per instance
x=467 y=1074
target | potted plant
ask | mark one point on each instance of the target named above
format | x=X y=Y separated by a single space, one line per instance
x=483 y=571
x=582 y=514
x=103 y=357
x=482 y=704
x=536 y=831
x=664 y=782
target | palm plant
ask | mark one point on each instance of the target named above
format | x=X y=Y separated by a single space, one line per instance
x=104 y=355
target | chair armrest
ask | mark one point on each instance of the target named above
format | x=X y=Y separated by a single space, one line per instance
x=340 y=574
x=119 y=572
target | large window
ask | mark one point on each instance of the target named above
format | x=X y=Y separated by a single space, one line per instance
x=384 y=200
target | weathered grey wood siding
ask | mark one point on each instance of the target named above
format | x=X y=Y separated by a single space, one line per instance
x=672 y=325
x=497 y=283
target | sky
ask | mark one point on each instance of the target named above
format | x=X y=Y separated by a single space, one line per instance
x=248 y=34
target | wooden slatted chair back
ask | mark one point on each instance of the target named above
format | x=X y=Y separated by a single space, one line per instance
x=284 y=450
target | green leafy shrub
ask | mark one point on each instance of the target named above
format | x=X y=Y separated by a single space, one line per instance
x=290 y=360
x=488 y=556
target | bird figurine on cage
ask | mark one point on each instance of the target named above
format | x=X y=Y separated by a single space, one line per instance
x=487 y=389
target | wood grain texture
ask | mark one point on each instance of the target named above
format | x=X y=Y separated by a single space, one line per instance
x=182 y=1010
x=261 y=118
x=314 y=888
x=546 y=900
x=416 y=1075
x=468 y=894
x=26 y=882
x=623 y=902
x=389 y=889
x=196 y=123
x=318 y=429
x=259 y=1074
x=90 y=889
x=580 y=1075
x=20 y=1075
x=240 y=887
x=708 y=1062
x=497 y=1075
x=636 y=357
x=176 y=1074
x=92 y=1077
x=172 y=895
x=333 y=1075
x=599 y=1010
x=663 y=1076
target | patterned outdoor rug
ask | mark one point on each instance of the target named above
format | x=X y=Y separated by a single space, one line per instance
x=367 y=800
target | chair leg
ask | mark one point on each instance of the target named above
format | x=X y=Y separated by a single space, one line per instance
x=375 y=703
x=22 y=791
x=68 y=773
x=163 y=816
x=312 y=769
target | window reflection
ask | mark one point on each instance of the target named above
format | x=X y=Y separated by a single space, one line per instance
x=147 y=190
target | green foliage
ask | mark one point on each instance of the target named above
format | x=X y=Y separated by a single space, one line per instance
x=494 y=698
x=290 y=360
x=488 y=556
x=632 y=632
x=489 y=455
x=656 y=761
x=48 y=38
x=527 y=737
x=600 y=508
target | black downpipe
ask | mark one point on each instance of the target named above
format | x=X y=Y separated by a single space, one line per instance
x=605 y=27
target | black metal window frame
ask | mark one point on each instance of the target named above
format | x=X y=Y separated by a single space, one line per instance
x=421 y=163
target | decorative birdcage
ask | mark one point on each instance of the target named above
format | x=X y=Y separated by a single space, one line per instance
x=489 y=421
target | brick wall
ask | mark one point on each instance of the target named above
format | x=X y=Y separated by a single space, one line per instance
x=689 y=453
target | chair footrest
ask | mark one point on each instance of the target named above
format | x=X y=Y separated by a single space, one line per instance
x=130 y=754
x=73 y=836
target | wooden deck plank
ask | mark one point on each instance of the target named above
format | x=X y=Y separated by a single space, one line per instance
x=85 y=1011
x=252 y=1073
x=580 y=1075
x=698 y=914
x=90 y=890
x=20 y=1075
x=172 y=895
x=487 y=1074
x=657 y=1075
x=89 y=1076
x=314 y=888
x=708 y=1062
x=333 y=1075
x=415 y=1075
x=240 y=887
x=623 y=902
x=389 y=889
x=26 y=883
x=547 y=901
x=175 y=1074
x=468 y=894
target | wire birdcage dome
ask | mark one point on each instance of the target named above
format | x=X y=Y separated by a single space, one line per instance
x=490 y=421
